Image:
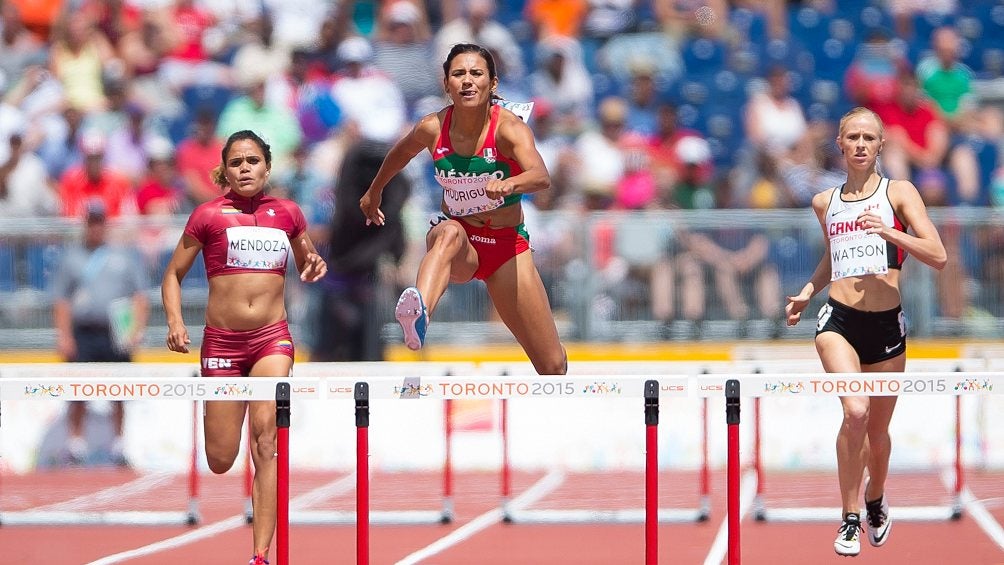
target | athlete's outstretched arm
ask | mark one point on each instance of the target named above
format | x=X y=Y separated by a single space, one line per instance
x=821 y=276
x=925 y=243
x=308 y=262
x=421 y=136
x=515 y=138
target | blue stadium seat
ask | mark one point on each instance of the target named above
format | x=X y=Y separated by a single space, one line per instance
x=693 y=92
x=727 y=87
x=843 y=29
x=178 y=127
x=874 y=18
x=745 y=61
x=992 y=16
x=749 y=25
x=926 y=22
x=688 y=116
x=703 y=56
x=993 y=63
x=509 y=11
x=206 y=97
x=604 y=85
x=849 y=8
x=808 y=25
x=833 y=58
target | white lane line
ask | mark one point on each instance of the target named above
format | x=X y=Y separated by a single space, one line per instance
x=983 y=517
x=537 y=491
x=345 y=484
x=975 y=508
x=111 y=494
x=720 y=547
x=209 y=531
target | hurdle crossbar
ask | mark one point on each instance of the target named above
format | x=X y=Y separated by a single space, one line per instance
x=338 y=381
x=583 y=376
x=923 y=377
x=88 y=382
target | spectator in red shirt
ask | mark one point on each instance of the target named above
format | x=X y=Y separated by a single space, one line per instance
x=159 y=192
x=92 y=180
x=679 y=168
x=871 y=76
x=916 y=138
x=190 y=58
x=196 y=155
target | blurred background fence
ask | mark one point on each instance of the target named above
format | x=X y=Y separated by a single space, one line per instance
x=628 y=276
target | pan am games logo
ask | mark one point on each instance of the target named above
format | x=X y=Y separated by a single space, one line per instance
x=974 y=385
x=36 y=391
x=412 y=387
x=602 y=388
x=233 y=390
x=782 y=387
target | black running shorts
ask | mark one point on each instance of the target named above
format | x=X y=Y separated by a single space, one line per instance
x=875 y=336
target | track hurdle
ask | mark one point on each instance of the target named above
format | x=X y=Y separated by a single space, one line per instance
x=922 y=370
x=875 y=384
x=612 y=371
x=115 y=382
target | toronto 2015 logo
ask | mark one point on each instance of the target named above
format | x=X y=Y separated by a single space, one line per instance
x=782 y=387
x=35 y=391
x=600 y=387
x=974 y=385
x=234 y=390
x=413 y=390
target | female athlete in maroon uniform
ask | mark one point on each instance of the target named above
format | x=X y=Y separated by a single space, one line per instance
x=485 y=160
x=861 y=328
x=245 y=237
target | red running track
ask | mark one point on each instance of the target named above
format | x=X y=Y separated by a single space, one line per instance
x=476 y=535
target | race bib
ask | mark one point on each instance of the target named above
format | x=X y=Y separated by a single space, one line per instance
x=465 y=195
x=254 y=247
x=857 y=254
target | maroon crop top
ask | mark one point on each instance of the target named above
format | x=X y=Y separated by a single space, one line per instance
x=246 y=235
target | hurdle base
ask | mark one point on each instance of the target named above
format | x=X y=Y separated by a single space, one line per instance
x=377 y=518
x=117 y=518
x=832 y=514
x=624 y=516
x=248 y=512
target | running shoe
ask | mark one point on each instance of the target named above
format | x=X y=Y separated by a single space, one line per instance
x=848 y=542
x=410 y=313
x=877 y=515
x=258 y=560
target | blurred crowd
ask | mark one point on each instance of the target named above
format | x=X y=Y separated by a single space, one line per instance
x=638 y=104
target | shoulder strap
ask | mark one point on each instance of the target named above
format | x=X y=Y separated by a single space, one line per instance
x=444 y=132
x=493 y=122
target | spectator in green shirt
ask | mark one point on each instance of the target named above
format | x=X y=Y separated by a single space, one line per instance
x=276 y=124
x=945 y=79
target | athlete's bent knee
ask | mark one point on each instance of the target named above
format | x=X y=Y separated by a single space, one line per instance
x=553 y=365
x=448 y=234
x=220 y=463
x=265 y=447
x=856 y=417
